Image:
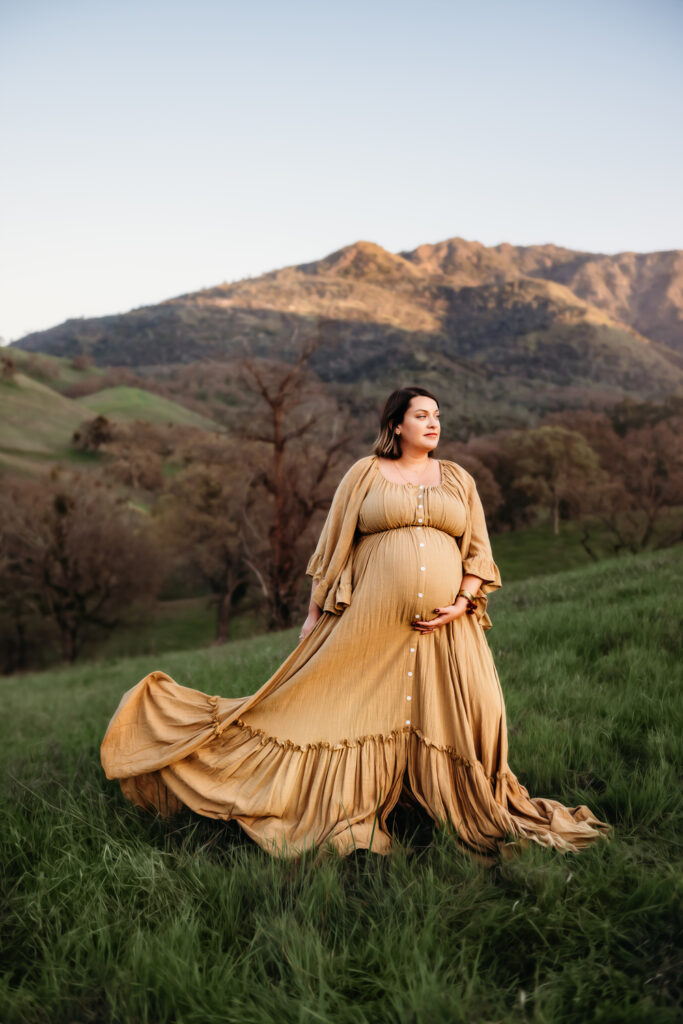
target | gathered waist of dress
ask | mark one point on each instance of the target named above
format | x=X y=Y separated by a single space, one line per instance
x=408 y=526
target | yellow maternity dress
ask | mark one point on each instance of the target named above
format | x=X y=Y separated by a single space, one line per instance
x=364 y=706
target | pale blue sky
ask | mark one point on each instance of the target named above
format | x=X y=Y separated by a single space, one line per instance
x=154 y=148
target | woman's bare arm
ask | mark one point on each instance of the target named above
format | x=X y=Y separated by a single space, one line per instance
x=471 y=583
x=314 y=613
x=313 y=607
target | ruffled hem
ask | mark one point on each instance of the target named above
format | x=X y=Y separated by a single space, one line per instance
x=485 y=568
x=289 y=797
x=265 y=739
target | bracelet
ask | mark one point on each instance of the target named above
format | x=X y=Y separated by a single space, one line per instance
x=471 y=606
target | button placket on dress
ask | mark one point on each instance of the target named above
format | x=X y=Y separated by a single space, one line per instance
x=423 y=568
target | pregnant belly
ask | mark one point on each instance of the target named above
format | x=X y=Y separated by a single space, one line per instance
x=407 y=572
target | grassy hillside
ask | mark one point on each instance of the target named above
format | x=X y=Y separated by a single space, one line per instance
x=35 y=417
x=113 y=915
x=37 y=421
x=55 y=371
x=126 y=403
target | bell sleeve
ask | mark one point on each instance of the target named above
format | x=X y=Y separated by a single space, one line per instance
x=477 y=556
x=331 y=563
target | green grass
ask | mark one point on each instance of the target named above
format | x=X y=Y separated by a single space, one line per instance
x=35 y=418
x=110 y=914
x=182 y=624
x=536 y=550
x=179 y=624
x=126 y=403
x=55 y=371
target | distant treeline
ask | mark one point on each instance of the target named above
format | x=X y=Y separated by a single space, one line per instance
x=155 y=509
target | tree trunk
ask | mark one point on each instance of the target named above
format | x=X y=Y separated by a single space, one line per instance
x=224 y=616
x=556 y=515
x=17 y=656
x=68 y=638
x=281 y=617
x=585 y=542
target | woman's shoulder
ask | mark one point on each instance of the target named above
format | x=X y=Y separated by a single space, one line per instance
x=357 y=471
x=364 y=462
x=358 y=467
x=456 y=470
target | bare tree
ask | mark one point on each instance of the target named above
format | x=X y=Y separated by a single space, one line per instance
x=202 y=516
x=296 y=436
x=646 y=482
x=78 y=554
x=8 y=367
x=19 y=589
x=643 y=481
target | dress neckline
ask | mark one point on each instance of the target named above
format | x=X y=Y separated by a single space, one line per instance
x=425 y=487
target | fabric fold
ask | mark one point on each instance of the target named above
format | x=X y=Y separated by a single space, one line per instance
x=290 y=797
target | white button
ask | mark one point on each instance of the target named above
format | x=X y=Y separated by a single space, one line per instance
x=409 y=697
x=419 y=520
x=420 y=506
x=412 y=650
x=421 y=486
x=421 y=543
x=407 y=721
x=410 y=673
x=419 y=595
x=417 y=616
x=422 y=568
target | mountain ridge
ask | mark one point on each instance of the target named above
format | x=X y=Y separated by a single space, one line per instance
x=484 y=312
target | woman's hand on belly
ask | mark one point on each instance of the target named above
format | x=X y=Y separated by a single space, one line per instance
x=446 y=614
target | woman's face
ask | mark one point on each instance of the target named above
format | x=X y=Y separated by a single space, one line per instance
x=420 y=429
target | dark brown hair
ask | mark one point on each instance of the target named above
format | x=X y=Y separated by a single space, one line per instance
x=387 y=444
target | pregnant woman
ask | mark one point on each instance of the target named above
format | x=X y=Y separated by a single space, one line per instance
x=392 y=686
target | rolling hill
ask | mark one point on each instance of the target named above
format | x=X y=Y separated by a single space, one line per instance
x=126 y=403
x=35 y=418
x=37 y=422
